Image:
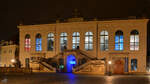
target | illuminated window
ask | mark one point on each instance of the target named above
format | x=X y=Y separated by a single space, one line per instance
x=134 y=40
x=63 y=41
x=104 y=40
x=119 y=40
x=27 y=45
x=75 y=40
x=88 y=41
x=50 y=42
x=133 y=64
x=38 y=42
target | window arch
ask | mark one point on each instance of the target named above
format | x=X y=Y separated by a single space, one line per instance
x=104 y=40
x=119 y=40
x=75 y=40
x=27 y=45
x=88 y=41
x=134 y=40
x=50 y=42
x=63 y=41
x=38 y=42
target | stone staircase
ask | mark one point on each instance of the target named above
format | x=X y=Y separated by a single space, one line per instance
x=91 y=67
x=88 y=66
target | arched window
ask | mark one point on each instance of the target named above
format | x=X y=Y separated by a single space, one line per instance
x=38 y=42
x=119 y=40
x=75 y=40
x=88 y=41
x=27 y=45
x=134 y=40
x=104 y=40
x=50 y=42
x=63 y=41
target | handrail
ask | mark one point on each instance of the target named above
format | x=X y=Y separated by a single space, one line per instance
x=87 y=63
x=47 y=66
x=85 y=54
x=81 y=66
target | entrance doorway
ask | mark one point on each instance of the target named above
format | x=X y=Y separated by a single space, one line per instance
x=70 y=63
x=119 y=67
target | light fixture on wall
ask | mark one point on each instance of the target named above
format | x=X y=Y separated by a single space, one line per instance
x=13 y=60
x=109 y=62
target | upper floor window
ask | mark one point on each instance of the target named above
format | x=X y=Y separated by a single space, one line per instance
x=27 y=43
x=63 y=41
x=134 y=40
x=104 y=40
x=50 y=42
x=119 y=40
x=88 y=41
x=38 y=42
x=75 y=40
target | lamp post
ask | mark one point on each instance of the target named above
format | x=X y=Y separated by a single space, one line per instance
x=109 y=65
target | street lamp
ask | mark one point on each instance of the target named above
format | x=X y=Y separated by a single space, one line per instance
x=109 y=64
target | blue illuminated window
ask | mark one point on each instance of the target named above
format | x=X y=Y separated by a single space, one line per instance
x=119 y=40
x=38 y=42
x=133 y=64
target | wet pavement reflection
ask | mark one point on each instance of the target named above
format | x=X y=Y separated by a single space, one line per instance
x=69 y=78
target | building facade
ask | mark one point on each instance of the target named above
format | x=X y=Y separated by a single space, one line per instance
x=123 y=43
x=8 y=51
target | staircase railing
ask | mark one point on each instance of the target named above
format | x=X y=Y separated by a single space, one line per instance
x=81 y=66
x=87 y=63
x=84 y=54
x=61 y=53
x=48 y=66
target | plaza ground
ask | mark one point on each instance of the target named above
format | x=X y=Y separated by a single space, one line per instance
x=69 y=78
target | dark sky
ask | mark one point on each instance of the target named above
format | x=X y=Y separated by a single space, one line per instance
x=35 y=11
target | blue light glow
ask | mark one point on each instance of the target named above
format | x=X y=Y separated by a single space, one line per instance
x=71 y=62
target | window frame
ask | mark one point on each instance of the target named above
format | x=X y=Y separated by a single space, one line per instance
x=103 y=35
x=27 y=43
x=135 y=43
x=50 y=38
x=76 y=38
x=134 y=65
x=63 y=37
x=88 y=45
x=38 y=42
x=119 y=44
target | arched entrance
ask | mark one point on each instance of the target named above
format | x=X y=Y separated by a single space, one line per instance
x=70 y=63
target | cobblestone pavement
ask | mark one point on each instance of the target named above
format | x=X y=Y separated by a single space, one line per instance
x=68 y=78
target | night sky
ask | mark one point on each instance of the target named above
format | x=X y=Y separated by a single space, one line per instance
x=44 y=11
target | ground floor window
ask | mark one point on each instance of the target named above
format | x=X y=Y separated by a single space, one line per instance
x=133 y=64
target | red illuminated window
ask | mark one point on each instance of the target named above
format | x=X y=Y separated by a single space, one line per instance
x=27 y=43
